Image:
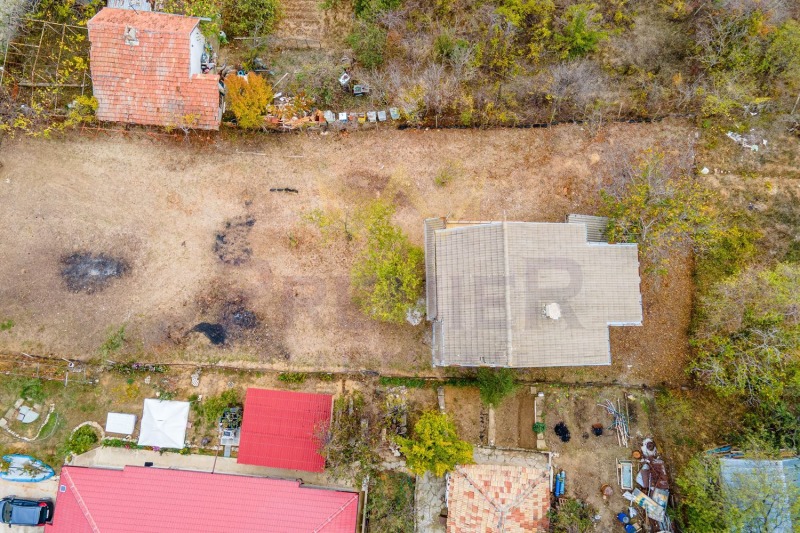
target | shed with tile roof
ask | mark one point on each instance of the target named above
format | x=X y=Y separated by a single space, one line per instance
x=146 y=69
x=282 y=429
x=497 y=499
x=144 y=500
x=525 y=294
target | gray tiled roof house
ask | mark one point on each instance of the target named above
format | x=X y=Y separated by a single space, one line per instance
x=491 y=286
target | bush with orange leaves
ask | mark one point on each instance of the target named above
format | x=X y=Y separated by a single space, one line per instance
x=248 y=97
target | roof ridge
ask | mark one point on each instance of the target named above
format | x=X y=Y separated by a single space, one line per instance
x=503 y=510
x=507 y=278
x=78 y=498
x=335 y=514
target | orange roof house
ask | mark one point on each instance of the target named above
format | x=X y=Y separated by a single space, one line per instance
x=146 y=69
x=497 y=499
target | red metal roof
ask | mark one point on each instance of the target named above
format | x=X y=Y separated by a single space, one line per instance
x=149 y=82
x=149 y=500
x=281 y=429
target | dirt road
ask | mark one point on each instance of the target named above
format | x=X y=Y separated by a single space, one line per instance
x=197 y=237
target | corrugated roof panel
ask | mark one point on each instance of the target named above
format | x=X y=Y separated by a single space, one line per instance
x=282 y=429
x=147 y=500
x=595 y=226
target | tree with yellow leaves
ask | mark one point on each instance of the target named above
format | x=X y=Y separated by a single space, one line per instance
x=248 y=97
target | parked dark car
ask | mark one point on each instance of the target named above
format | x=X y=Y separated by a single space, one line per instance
x=20 y=512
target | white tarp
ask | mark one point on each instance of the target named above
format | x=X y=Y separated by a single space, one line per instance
x=164 y=423
x=120 y=423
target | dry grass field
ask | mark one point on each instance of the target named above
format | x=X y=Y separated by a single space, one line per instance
x=199 y=238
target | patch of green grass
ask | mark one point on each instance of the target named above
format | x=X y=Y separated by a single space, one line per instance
x=411 y=383
x=33 y=390
x=114 y=342
x=294 y=378
x=6 y=325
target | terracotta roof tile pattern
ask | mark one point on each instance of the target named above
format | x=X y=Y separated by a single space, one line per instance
x=281 y=429
x=149 y=82
x=149 y=500
x=497 y=499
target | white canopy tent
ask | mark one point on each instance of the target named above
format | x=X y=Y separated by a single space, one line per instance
x=164 y=423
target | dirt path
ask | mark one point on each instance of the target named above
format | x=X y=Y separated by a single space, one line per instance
x=201 y=239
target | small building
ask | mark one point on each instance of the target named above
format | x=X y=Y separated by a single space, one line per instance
x=768 y=491
x=498 y=499
x=283 y=429
x=147 y=68
x=526 y=294
x=145 y=500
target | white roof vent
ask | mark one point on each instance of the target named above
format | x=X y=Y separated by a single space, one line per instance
x=552 y=310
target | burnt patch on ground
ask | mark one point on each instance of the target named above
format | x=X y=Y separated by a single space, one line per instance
x=241 y=318
x=231 y=244
x=215 y=332
x=89 y=273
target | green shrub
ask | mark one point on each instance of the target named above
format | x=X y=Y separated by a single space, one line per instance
x=495 y=384
x=368 y=41
x=82 y=440
x=539 y=427
x=369 y=9
x=250 y=17
x=6 y=325
x=435 y=445
x=387 y=277
x=581 y=34
x=781 y=59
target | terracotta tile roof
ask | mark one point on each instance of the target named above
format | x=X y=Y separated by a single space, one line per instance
x=149 y=500
x=149 y=82
x=497 y=499
x=281 y=429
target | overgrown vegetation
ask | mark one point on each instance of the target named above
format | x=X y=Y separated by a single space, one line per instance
x=495 y=384
x=292 y=377
x=748 y=335
x=390 y=507
x=348 y=445
x=572 y=516
x=434 y=445
x=387 y=277
x=471 y=62
x=753 y=499
x=210 y=409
